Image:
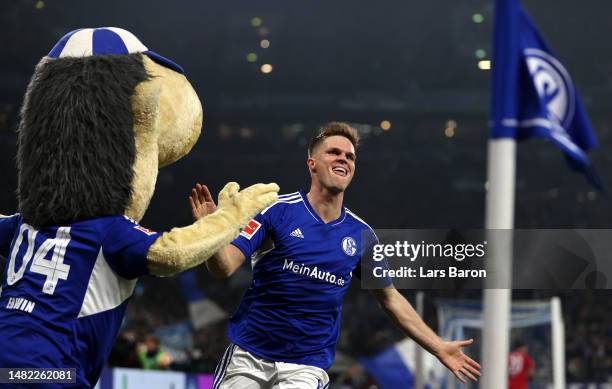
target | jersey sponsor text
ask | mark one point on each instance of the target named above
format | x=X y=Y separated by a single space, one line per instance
x=314 y=272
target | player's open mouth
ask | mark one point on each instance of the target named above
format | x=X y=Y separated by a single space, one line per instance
x=343 y=172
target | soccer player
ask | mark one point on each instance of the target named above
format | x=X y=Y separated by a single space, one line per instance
x=520 y=367
x=304 y=250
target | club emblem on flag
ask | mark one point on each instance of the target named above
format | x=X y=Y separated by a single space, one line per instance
x=533 y=94
x=553 y=84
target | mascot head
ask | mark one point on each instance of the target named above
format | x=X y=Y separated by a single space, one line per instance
x=101 y=115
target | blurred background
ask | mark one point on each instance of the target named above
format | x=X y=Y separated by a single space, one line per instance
x=412 y=77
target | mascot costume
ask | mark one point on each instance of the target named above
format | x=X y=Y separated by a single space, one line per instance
x=101 y=115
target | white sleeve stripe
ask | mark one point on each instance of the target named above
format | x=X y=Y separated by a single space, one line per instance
x=358 y=218
x=282 y=202
x=8 y=216
x=289 y=196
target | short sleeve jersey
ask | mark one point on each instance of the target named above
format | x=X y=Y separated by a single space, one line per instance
x=65 y=288
x=302 y=268
x=520 y=365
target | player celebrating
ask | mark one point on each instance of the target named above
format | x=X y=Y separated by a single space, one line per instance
x=304 y=249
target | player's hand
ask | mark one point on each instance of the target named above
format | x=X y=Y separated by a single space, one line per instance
x=456 y=361
x=201 y=202
x=247 y=203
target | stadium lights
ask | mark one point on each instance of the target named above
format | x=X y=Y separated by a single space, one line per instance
x=246 y=132
x=484 y=64
x=256 y=21
x=449 y=130
x=251 y=57
x=266 y=68
x=264 y=43
x=385 y=125
x=225 y=131
x=40 y=4
x=477 y=18
x=480 y=53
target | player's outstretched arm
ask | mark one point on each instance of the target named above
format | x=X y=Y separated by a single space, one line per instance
x=229 y=258
x=449 y=353
x=225 y=261
x=186 y=247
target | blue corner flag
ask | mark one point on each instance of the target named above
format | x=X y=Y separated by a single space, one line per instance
x=533 y=94
x=389 y=369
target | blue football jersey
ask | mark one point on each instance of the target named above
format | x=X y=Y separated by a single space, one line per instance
x=65 y=290
x=302 y=268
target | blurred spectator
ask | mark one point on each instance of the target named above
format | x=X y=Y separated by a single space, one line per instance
x=124 y=351
x=151 y=356
x=520 y=367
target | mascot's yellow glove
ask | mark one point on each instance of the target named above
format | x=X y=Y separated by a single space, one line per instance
x=186 y=247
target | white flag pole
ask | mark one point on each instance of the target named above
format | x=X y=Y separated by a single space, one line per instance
x=558 y=344
x=501 y=167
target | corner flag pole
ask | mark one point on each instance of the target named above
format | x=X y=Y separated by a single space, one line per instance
x=558 y=344
x=499 y=210
x=497 y=302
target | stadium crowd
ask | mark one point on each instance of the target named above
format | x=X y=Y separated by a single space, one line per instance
x=156 y=315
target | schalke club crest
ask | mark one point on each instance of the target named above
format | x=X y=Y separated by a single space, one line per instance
x=349 y=246
x=553 y=85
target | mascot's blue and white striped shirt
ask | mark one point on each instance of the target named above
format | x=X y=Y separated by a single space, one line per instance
x=301 y=269
x=65 y=290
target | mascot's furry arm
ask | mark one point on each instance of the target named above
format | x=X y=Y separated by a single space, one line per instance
x=183 y=248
